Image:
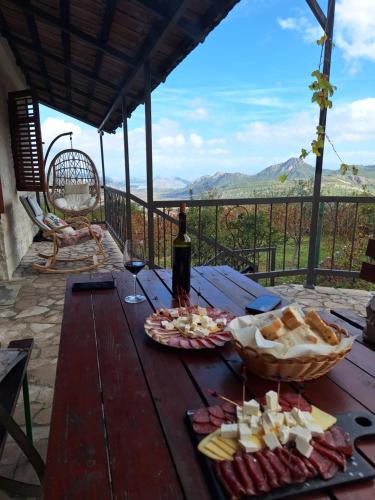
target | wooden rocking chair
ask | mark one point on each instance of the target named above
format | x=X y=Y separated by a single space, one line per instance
x=61 y=236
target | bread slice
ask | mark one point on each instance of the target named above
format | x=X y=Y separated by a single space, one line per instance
x=291 y=318
x=270 y=332
x=313 y=319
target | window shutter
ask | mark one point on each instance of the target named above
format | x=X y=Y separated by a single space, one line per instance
x=26 y=141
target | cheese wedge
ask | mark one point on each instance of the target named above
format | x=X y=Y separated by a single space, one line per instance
x=213 y=448
x=209 y=454
x=325 y=420
x=229 y=447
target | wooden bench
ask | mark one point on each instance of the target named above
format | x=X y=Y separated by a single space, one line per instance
x=10 y=388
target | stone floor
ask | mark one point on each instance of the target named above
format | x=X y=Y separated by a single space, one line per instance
x=37 y=312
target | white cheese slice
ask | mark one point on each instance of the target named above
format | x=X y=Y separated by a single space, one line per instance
x=300 y=431
x=289 y=420
x=271 y=441
x=174 y=313
x=244 y=430
x=284 y=434
x=251 y=408
x=251 y=444
x=303 y=446
x=272 y=401
x=315 y=429
x=229 y=430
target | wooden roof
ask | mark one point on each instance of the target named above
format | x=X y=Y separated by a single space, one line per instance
x=80 y=55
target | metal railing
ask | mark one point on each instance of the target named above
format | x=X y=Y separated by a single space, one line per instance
x=267 y=236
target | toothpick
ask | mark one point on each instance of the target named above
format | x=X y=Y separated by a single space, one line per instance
x=244 y=376
x=278 y=386
x=300 y=389
x=217 y=395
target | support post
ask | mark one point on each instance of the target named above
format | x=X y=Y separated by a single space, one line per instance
x=150 y=187
x=127 y=170
x=102 y=156
x=319 y=159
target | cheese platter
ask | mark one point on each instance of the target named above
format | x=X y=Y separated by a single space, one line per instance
x=278 y=446
x=189 y=327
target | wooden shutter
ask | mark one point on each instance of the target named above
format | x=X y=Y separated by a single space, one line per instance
x=26 y=141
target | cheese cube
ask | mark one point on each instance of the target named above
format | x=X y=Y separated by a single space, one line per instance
x=302 y=432
x=251 y=408
x=202 y=331
x=284 y=434
x=229 y=430
x=194 y=318
x=202 y=311
x=174 y=313
x=244 y=430
x=271 y=441
x=255 y=422
x=240 y=415
x=301 y=417
x=168 y=325
x=270 y=417
x=272 y=401
x=266 y=425
x=289 y=420
x=251 y=445
x=315 y=429
x=303 y=446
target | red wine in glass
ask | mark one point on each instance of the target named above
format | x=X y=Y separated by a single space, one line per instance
x=134 y=261
x=134 y=266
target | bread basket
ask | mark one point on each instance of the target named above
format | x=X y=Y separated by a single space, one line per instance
x=291 y=370
x=274 y=361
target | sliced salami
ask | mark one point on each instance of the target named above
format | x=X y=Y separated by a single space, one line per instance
x=216 y=421
x=184 y=343
x=194 y=344
x=203 y=428
x=229 y=408
x=201 y=416
x=216 y=411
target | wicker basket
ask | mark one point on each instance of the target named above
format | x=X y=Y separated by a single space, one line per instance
x=291 y=370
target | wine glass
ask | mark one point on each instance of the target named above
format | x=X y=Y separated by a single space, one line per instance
x=134 y=261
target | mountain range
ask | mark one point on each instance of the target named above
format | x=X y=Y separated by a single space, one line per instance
x=266 y=182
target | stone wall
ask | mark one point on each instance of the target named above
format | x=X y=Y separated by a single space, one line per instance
x=16 y=229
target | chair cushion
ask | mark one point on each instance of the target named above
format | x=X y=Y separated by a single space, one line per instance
x=35 y=206
x=80 y=236
x=53 y=221
x=77 y=189
x=75 y=202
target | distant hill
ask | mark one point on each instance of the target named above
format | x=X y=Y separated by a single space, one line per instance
x=294 y=168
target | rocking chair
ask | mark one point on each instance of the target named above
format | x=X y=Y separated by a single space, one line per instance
x=63 y=234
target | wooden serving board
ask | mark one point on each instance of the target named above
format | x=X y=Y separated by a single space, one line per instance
x=357 y=424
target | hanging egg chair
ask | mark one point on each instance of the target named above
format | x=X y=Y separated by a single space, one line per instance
x=73 y=183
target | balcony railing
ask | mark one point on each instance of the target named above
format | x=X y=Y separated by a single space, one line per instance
x=264 y=237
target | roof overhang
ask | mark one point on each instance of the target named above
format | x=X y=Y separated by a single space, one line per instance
x=81 y=56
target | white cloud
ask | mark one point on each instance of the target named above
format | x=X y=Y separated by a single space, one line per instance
x=199 y=113
x=310 y=32
x=196 y=140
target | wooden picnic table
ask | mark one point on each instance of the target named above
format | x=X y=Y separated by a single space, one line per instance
x=118 y=428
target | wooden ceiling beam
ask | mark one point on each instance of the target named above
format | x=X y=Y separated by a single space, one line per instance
x=151 y=44
x=104 y=35
x=318 y=13
x=65 y=42
x=58 y=23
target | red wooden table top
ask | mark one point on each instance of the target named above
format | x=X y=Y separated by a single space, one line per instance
x=118 y=429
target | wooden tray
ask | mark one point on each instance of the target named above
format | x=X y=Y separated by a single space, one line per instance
x=357 y=424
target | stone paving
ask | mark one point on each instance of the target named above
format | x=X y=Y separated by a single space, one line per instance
x=37 y=313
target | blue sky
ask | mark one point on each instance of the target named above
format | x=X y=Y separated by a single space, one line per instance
x=240 y=102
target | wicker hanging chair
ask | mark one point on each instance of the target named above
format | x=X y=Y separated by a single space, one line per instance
x=73 y=183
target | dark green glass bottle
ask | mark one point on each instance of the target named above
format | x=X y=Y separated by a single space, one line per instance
x=181 y=257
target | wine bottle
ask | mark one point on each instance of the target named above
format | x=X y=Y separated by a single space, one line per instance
x=181 y=257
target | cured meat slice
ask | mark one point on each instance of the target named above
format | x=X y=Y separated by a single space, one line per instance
x=174 y=342
x=229 y=475
x=229 y=408
x=267 y=470
x=206 y=343
x=282 y=472
x=201 y=416
x=342 y=440
x=256 y=473
x=203 y=428
x=184 y=343
x=296 y=401
x=313 y=471
x=195 y=344
x=224 y=482
x=216 y=421
x=225 y=336
x=243 y=475
x=218 y=342
x=296 y=466
x=333 y=455
x=326 y=467
x=216 y=411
